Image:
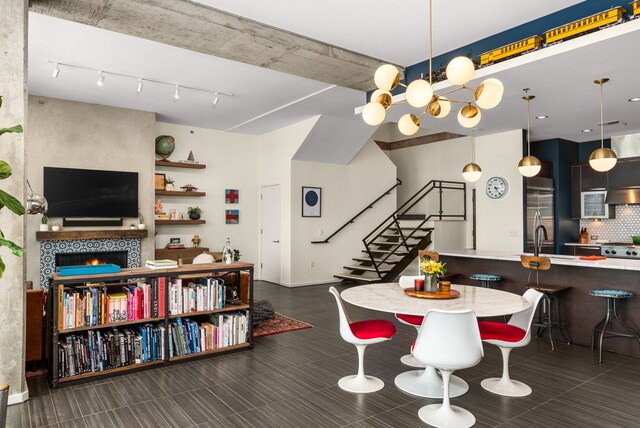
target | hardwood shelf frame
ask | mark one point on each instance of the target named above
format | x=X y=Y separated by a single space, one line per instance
x=228 y=308
x=136 y=273
x=162 y=163
x=66 y=235
x=161 y=222
x=109 y=325
x=180 y=193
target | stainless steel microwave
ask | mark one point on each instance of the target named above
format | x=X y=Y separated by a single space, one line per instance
x=592 y=204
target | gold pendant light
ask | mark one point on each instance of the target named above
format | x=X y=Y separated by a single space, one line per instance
x=472 y=171
x=419 y=93
x=602 y=159
x=529 y=166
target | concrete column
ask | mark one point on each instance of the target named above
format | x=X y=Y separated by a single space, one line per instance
x=13 y=76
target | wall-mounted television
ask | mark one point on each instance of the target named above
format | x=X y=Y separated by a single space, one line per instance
x=90 y=193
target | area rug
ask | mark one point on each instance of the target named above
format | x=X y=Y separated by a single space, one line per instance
x=280 y=324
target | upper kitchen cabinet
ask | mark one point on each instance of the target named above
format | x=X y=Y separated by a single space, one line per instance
x=625 y=174
x=592 y=179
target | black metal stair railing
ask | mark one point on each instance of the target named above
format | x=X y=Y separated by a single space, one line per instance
x=392 y=222
x=352 y=219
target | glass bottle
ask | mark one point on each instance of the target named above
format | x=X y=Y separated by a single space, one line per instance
x=227 y=252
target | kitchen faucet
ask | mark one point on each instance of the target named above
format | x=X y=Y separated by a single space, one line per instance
x=537 y=242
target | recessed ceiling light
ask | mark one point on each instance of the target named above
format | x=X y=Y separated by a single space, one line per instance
x=542 y=117
x=634 y=99
x=587 y=130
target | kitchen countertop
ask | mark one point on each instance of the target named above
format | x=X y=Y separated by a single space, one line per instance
x=610 y=263
x=590 y=244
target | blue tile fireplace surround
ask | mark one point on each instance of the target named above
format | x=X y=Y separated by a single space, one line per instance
x=49 y=250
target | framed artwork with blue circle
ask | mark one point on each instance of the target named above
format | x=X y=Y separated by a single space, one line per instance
x=311 y=201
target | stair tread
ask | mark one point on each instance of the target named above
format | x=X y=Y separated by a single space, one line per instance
x=366 y=259
x=400 y=253
x=357 y=277
x=398 y=236
x=367 y=268
x=411 y=228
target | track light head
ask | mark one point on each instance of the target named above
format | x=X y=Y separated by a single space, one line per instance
x=216 y=99
x=100 y=81
x=140 y=85
x=56 y=70
x=176 y=95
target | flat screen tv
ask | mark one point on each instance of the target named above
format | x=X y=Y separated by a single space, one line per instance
x=90 y=193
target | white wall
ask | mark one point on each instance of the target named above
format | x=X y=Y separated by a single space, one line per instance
x=231 y=161
x=79 y=135
x=499 y=223
x=276 y=149
x=346 y=189
x=442 y=160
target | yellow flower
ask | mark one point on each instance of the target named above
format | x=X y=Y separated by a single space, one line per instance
x=431 y=267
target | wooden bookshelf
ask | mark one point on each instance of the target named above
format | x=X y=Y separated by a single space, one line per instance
x=163 y=163
x=160 y=324
x=161 y=222
x=179 y=193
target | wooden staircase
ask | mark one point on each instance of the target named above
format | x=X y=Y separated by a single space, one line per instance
x=394 y=244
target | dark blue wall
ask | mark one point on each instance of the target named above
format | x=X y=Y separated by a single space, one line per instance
x=535 y=27
x=585 y=149
x=561 y=154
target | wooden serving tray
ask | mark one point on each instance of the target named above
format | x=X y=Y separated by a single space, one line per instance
x=451 y=294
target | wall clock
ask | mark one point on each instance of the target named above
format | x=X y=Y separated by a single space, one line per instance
x=497 y=187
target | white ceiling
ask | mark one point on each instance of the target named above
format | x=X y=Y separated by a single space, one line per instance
x=265 y=100
x=394 y=31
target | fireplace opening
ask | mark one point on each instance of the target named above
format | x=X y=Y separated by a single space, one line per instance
x=92 y=258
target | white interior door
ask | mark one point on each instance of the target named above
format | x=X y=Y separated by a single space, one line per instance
x=270 y=233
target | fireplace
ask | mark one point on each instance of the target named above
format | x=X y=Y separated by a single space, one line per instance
x=96 y=257
x=52 y=250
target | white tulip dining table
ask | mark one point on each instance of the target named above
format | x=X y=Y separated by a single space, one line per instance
x=390 y=297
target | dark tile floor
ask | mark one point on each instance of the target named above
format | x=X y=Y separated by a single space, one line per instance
x=290 y=380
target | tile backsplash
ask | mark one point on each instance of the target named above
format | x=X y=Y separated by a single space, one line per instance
x=619 y=229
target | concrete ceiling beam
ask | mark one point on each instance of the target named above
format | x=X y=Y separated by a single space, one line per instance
x=199 y=28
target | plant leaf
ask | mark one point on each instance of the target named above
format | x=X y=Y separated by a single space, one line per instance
x=18 y=129
x=15 y=249
x=1 y=267
x=10 y=202
x=5 y=170
x=0 y=100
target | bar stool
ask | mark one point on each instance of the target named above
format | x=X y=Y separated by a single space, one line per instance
x=549 y=299
x=485 y=278
x=612 y=297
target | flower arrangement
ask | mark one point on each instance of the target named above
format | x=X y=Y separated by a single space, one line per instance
x=432 y=267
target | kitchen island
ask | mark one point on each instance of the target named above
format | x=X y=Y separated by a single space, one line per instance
x=580 y=311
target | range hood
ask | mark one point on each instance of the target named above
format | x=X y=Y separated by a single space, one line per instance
x=629 y=196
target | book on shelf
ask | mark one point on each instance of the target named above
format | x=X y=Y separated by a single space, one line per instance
x=161 y=264
x=187 y=337
x=185 y=297
x=96 y=306
x=99 y=350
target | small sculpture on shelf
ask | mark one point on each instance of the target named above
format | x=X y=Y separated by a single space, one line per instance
x=227 y=252
x=196 y=241
x=159 y=207
x=189 y=188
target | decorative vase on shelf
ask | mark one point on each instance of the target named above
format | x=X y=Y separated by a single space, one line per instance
x=430 y=283
x=227 y=252
x=168 y=187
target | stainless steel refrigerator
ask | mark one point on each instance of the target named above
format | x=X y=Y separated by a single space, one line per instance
x=539 y=210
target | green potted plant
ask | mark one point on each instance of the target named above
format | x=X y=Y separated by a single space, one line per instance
x=44 y=223
x=168 y=183
x=236 y=255
x=6 y=200
x=194 y=213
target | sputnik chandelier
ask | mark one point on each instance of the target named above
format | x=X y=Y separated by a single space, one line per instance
x=419 y=93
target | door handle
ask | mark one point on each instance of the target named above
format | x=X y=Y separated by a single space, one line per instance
x=276 y=242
